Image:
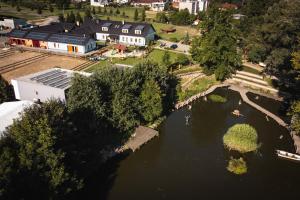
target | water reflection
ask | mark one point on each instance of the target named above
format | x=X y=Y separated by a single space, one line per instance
x=189 y=162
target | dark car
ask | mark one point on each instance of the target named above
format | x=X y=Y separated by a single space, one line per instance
x=173 y=46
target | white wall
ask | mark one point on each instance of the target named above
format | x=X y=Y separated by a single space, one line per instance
x=192 y=6
x=7 y=23
x=31 y=91
x=101 y=36
x=158 y=6
x=64 y=47
x=100 y=3
x=130 y=40
x=203 y=4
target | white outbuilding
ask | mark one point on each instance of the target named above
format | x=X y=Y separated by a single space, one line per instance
x=42 y=86
x=10 y=111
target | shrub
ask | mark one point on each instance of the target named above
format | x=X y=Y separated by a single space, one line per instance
x=173 y=39
x=217 y=98
x=237 y=166
x=241 y=137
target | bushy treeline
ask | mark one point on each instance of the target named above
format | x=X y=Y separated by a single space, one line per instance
x=38 y=4
x=6 y=91
x=217 y=48
x=50 y=151
x=182 y=17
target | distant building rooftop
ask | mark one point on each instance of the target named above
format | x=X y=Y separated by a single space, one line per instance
x=10 y=111
x=55 y=77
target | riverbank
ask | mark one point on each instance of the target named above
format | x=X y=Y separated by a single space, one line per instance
x=243 y=91
x=141 y=136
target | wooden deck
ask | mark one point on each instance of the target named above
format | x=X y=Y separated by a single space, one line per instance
x=141 y=136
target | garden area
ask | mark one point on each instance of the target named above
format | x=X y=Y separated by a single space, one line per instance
x=196 y=87
x=155 y=55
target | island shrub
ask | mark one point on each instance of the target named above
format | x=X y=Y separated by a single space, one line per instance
x=242 y=138
x=237 y=166
x=217 y=98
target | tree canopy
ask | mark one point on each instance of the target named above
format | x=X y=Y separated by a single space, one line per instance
x=6 y=91
x=217 y=50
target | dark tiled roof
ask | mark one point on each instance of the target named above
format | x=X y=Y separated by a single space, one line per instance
x=115 y=27
x=16 y=33
x=55 y=28
x=69 y=39
x=35 y=35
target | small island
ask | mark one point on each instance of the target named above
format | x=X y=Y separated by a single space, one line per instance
x=242 y=138
x=237 y=166
x=217 y=98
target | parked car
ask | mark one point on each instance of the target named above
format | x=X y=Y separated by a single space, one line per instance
x=97 y=58
x=174 y=46
x=102 y=58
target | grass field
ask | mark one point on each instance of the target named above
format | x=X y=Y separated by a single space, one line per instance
x=156 y=56
x=196 y=87
x=26 y=13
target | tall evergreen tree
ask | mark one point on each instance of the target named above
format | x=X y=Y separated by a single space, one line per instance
x=217 y=49
x=136 y=15
x=143 y=16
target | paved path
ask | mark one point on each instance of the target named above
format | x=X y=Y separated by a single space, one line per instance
x=243 y=92
x=182 y=48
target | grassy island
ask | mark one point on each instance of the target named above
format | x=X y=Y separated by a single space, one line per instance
x=217 y=98
x=242 y=138
x=237 y=166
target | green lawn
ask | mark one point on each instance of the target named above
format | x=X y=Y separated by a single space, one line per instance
x=29 y=14
x=155 y=56
x=188 y=69
x=251 y=70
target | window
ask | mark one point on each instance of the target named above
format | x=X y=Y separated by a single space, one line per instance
x=140 y=40
x=124 y=30
x=131 y=40
x=104 y=28
x=103 y=37
x=54 y=45
x=135 y=40
x=139 y=32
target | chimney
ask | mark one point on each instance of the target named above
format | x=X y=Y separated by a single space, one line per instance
x=123 y=22
x=97 y=21
x=84 y=35
x=77 y=23
x=66 y=30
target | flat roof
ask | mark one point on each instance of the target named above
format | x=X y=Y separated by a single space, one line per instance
x=55 y=77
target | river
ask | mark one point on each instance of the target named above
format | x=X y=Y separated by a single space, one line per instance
x=189 y=161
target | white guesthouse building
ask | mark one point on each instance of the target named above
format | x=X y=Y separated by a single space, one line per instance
x=127 y=33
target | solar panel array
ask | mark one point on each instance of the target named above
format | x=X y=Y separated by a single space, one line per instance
x=68 y=39
x=140 y=27
x=18 y=33
x=56 y=78
x=37 y=35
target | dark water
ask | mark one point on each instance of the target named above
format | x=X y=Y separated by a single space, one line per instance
x=189 y=162
x=275 y=107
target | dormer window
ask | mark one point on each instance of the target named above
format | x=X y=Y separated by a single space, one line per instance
x=124 y=30
x=138 y=32
x=105 y=26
